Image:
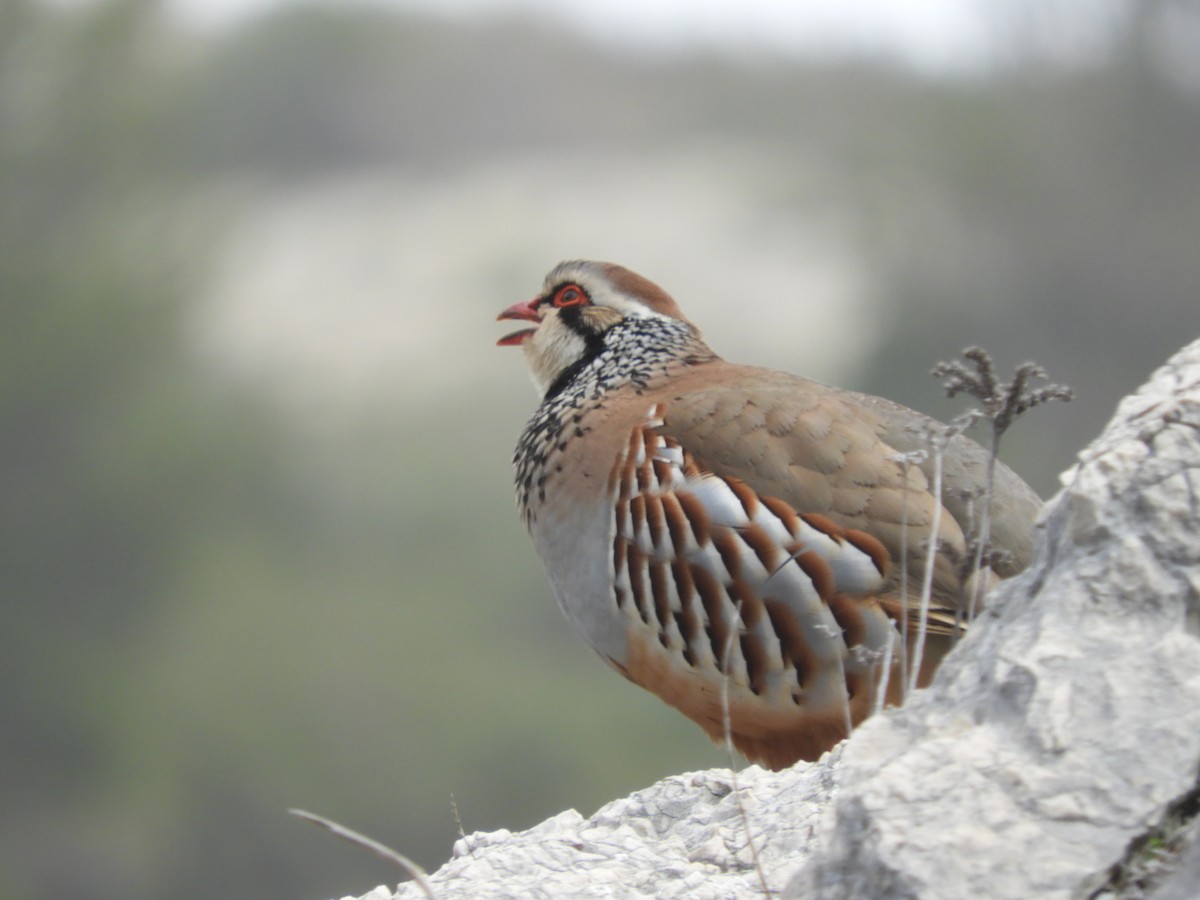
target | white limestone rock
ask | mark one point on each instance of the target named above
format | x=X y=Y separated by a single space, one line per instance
x=1066 y=723
x=682 y=838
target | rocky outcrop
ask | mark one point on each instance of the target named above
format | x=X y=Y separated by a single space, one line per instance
x=1069 y=721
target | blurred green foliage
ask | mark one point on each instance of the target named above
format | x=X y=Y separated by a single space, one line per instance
x=207 y=620
x=116 y=460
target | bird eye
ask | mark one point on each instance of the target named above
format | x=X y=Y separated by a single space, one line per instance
x=570 y=295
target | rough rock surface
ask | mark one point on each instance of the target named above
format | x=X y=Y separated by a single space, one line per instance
x=1063 y=729
x=1070 y=719
x=681 y=838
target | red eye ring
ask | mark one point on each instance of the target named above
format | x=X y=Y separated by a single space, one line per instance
x=569 y=295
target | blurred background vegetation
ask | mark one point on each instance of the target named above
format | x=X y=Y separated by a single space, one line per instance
x=259 y=547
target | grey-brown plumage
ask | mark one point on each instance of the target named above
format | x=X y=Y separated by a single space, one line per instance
x=702 y=520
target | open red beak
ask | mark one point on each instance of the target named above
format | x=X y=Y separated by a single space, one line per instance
x=526 y=311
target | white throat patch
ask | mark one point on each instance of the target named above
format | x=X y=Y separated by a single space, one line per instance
x=551 y=349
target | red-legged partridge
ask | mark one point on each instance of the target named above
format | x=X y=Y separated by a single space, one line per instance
x=708 y=526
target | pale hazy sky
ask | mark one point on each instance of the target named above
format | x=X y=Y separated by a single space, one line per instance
x=931 y=34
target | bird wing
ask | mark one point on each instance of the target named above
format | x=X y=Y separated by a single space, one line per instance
x=823 y=452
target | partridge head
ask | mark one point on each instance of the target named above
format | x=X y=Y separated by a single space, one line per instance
x=716 y=529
